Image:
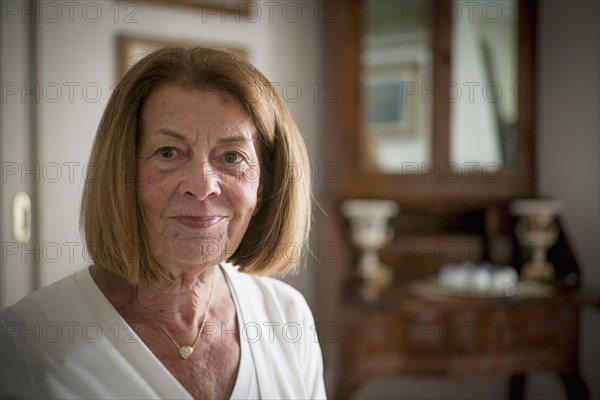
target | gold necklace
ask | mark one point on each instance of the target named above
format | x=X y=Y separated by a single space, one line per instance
x=185 y=350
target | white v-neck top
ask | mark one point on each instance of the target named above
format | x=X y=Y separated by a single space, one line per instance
x=67 y=341
x=246 y=386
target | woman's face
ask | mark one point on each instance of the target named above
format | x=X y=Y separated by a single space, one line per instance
x=198 y=175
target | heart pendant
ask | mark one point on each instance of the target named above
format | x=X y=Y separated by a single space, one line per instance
x=185 y=351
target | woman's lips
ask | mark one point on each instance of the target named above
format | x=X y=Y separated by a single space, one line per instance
x=198 y=222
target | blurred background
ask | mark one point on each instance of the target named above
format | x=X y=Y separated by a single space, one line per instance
x=451 y=110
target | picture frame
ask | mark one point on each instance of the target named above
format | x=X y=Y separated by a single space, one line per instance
x=391 y=107
x=131 y=49
x=237 y=7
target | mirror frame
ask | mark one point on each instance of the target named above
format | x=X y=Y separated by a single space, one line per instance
x=435 y=186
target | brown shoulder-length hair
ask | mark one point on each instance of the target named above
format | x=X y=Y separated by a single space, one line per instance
x=111 y=215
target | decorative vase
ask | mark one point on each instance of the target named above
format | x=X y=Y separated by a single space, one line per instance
x=369 y=232
x=536 y=231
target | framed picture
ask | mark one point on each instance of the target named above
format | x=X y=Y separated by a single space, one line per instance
x=131 y=49
x=391 y=102
x=239 y=7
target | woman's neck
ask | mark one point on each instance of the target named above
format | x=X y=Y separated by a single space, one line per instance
x=180 y=301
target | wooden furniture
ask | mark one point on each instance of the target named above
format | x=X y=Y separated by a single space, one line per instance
x=407 y=334
x=403 y=333
x=408 y=331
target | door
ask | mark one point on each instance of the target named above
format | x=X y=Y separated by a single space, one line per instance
x=20 y=244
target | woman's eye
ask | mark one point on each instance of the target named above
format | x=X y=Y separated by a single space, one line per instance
x=167 y=152
x=232 y=157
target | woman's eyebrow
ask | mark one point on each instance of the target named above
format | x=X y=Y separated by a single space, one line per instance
x=233 y=139
x=171 y=133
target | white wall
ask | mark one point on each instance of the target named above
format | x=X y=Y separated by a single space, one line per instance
x=77 y=70
x=568 y=143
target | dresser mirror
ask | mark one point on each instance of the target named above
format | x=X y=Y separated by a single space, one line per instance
x=437 y=98
x=483 y=108
x=396 y=74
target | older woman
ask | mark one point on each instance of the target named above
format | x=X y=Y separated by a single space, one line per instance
x=190 y=200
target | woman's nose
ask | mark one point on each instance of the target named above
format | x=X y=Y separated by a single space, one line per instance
x=200 y=180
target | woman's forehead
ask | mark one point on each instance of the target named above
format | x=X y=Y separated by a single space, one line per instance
x=197 y=111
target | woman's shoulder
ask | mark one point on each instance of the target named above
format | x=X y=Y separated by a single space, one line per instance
x=262 y=283
x=273 y=293
x=46 y=301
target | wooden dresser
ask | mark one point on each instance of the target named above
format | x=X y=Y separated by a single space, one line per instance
x=404 y=333
x=415 y=328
